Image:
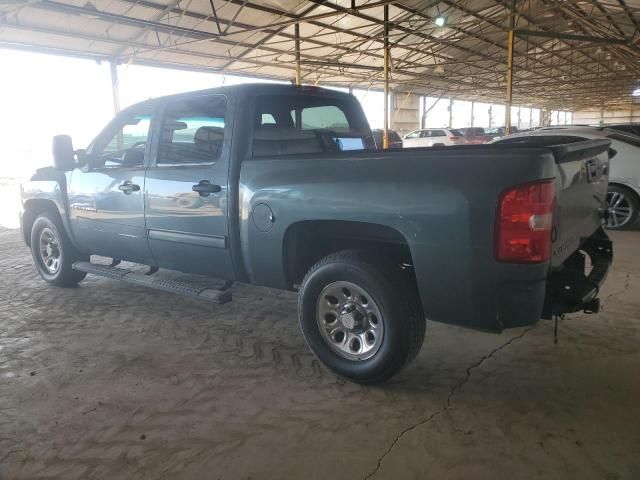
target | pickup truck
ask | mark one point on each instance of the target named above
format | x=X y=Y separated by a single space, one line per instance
x=282 y=186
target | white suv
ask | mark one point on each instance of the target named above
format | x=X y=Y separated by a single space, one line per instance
x=433 y=137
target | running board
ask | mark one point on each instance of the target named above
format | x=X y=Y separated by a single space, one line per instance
x=186 y=288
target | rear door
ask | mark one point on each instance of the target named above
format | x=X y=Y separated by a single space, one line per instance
x=436 y=137
x=186 y=188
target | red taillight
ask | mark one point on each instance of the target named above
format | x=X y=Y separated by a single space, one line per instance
x=524 y=223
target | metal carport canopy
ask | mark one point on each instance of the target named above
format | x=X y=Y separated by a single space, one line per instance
x=566 y=54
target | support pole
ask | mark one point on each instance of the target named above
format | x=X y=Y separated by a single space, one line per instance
x=114 y=86
x=509 y=78
x=297 y=46
x=450 y=112
x=385 y=133
x=472 y=107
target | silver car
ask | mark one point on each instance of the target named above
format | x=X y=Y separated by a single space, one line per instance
x=623 y=196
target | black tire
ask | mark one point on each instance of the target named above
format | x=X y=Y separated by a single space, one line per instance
x=629 y=200
x=64 y=275
x=395 y=294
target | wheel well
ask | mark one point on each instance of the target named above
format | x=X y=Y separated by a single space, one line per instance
x=307 y=242
x=33 y=208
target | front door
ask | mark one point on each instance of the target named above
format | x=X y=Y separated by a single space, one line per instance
x=186 y=187
x=106 y=196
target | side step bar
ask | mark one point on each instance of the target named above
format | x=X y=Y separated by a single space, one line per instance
x=189 y=289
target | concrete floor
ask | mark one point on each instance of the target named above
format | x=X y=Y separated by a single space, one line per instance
x=109 y=381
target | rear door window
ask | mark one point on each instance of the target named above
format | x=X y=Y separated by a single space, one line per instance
x=192 y=131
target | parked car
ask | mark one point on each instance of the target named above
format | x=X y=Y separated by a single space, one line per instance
x=632 y=128
x=395 y=140
x=623 y=197
x=565 y=127
x=474 y=135
x=495 y=132
x=433 y=137
x=283 y=186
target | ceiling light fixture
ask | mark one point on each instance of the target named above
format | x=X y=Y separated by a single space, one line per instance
x=440 y=21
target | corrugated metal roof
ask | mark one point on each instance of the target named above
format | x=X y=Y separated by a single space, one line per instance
x=341 y=45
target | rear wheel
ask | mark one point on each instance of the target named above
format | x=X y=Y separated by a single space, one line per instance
x=362 y=320
x=622 y=208
x=53 y=253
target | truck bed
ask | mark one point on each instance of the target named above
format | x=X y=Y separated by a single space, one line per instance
x=442 y=201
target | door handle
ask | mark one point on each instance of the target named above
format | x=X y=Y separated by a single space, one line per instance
x=206 y=188
x=128 y=187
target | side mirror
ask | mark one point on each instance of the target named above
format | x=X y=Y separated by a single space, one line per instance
x=63 y=158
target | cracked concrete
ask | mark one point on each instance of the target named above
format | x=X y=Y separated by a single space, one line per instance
x=110 y=381
x=450 y=396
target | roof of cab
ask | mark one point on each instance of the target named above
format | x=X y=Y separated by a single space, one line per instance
x=263 y=88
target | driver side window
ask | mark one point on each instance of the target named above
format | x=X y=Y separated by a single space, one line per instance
x=124 y=144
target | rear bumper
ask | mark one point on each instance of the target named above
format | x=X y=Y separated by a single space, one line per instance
x=570 y=288
x=567 y=289
x=510 y=295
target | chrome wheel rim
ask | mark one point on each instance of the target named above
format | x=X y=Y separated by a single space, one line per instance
x=619 y=210
x=350 y=321
x=49 y=251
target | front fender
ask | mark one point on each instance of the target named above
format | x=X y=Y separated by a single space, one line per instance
x=45 y=190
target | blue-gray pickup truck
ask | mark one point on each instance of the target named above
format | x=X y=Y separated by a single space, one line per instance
x=283 y=186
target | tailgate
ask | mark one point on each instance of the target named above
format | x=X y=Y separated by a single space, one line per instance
x=581 y=190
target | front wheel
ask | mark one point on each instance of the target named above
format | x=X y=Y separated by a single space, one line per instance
x=53 y=253
x=362 y=320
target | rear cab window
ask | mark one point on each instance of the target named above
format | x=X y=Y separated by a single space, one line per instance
x=307 y=124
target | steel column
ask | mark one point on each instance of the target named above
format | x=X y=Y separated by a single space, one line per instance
x=385 y=133
x=472 y=105
x=297 y=46
x=115 y=90
x=509 y=77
